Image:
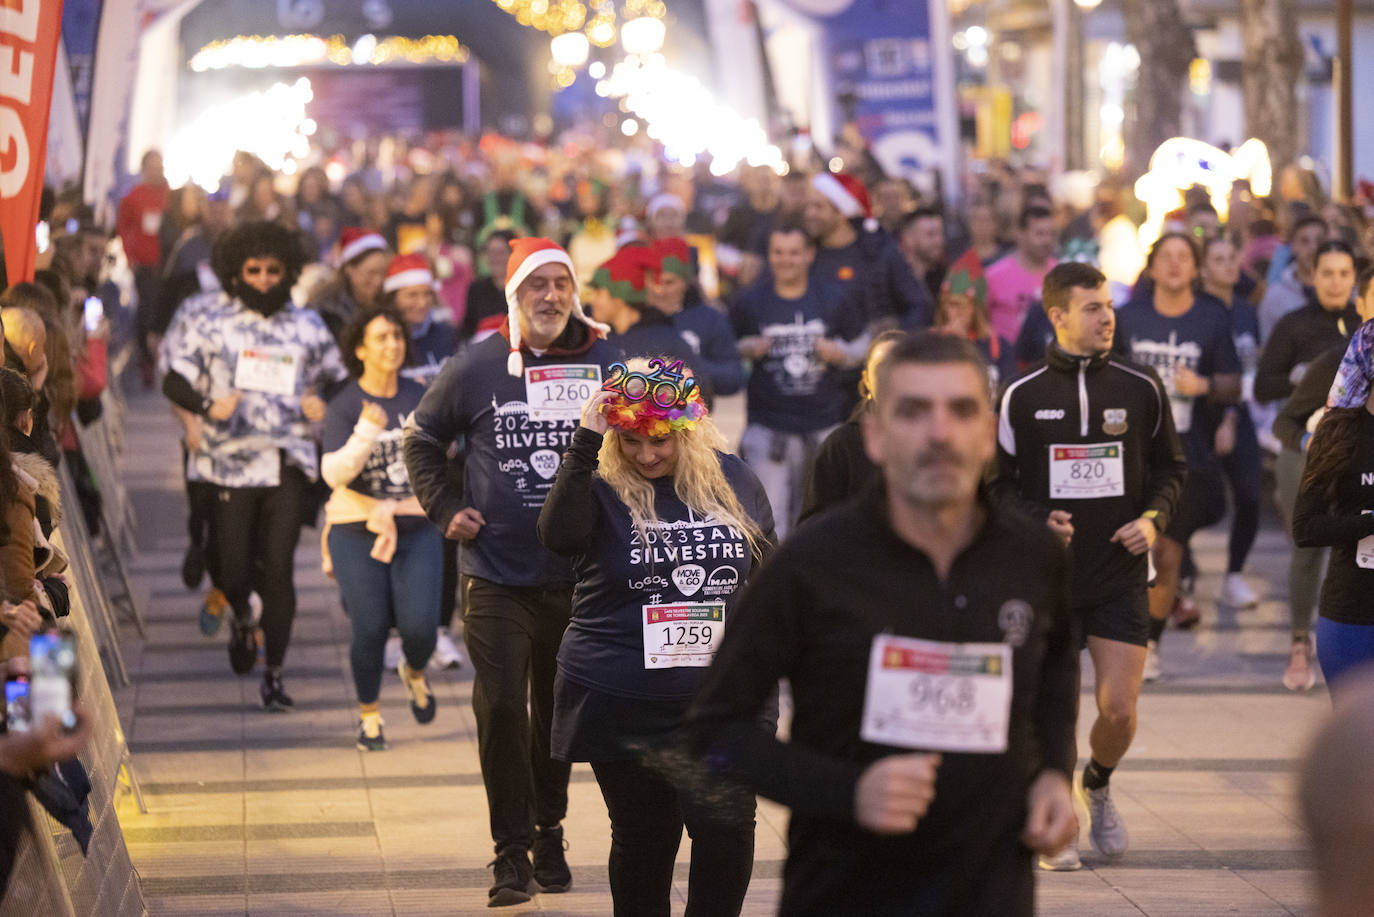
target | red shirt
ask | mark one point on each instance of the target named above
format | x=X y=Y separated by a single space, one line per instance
x=138 y=222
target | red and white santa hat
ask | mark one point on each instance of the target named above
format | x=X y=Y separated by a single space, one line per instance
x=355 y=241
x=527 y=256
x=846 y=192
x=408 y=271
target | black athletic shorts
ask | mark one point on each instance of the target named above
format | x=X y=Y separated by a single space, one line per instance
x=1124 y=617
x=1202 y=503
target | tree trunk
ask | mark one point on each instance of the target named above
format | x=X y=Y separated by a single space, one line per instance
x=1269 y=76
x=1166 y=50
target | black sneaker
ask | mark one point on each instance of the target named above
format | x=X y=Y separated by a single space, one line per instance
x=274 y=696
x=512 y=874
x=193 y=566
x=422 y=703
x=370 y=735
x=550 y=866
x=243 y=647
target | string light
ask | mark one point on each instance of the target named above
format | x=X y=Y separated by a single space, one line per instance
x=258 y=51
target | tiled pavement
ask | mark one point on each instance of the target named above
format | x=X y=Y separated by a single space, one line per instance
x=269 y=815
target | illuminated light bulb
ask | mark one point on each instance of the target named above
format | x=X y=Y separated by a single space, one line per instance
x=363 y=48
x=570 y=49
x=596 y=70
x=629 y=127
x=643 y=35
x=836 y=164
x=977 y=36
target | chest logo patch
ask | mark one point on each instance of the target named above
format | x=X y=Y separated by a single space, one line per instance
x=688 y=578
x=1014 y=618
x=845 y=273
x=1114 y=421
x=545 y=463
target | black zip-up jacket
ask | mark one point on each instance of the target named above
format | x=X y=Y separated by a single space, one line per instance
x=1290 y=426
x=810 y=614
x=1299 y=337
x=1066 y=400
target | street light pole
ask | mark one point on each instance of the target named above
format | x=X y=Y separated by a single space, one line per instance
x=1343 y=182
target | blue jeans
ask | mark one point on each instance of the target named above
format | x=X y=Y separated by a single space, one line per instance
x=1342 y=648
x=376 y=595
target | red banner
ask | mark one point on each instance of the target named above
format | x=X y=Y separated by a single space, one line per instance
x=29 y=31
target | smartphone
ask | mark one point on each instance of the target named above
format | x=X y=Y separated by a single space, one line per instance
x=42 y=235
x=17 y=717
x=52 y=684
x=95 y=311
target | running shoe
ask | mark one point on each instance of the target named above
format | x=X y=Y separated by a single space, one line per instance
x=1185 y=614
x=370 y=736
x=1152 y=671
x=1236 y=592
x=1066 y=860
x=274 y=696
x=550 y=866
x=391 y=654
x=446 y=654
x=1299 y=676
x=212 y=612
x=255 y=608
x=243 y=647
x=193 y=565
x=422 y=702
x=1106 y=830
x=511 y=873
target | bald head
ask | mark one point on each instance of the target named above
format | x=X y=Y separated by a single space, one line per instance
x=24 y=332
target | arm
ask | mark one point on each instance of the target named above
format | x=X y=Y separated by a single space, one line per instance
x=340 y=467
x=908 y=292
x=1290 y=426
x=1005 y=486
x=183 y=394
x=1315 y=525
x=1168 y=466
x=1224 y=388
x=435 y=423
x=568 y=520
x=828 y=482
x=1275 y=365
x=720 y=358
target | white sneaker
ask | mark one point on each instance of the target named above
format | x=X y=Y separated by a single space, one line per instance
x=391 y=656
x=1066 y=860
x=1106 y=830
x=1236 y=592
x=1152 y=661
x=446 y=653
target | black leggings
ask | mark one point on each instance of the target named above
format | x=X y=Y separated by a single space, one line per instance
x=256 y=530
x=648 y=811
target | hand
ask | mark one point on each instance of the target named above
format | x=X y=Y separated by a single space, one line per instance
x=1051 y=823
x=372 y=412
x=222 y=409
x=22 y=619
x=193 y=427
x=1136 y=536
x=23 y=753
x=592 y=417
x=1059 y=523
x=1225 y=442
x=464 y=525
x=312 y=406
x=831 y=352
x=1189 y=384
x=893 y=793
x=754 y=347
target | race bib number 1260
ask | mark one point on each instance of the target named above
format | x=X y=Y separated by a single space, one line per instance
x=558 y=392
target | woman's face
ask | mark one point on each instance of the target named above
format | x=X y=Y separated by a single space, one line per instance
x=1334 y=280
x=958 y=309
x=414 y=304
x=652 y=456
x=1221 y=267
x=365 y=278
x=383 y=348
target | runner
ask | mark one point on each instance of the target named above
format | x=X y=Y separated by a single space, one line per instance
x=909 y=808
x=664 y=527
x=410 y=288
x=266 y=367
x=357 y=287
x=705 y=328
x=1086 y=442
x=385 y=554
x=1336 y=507
x=516 y=397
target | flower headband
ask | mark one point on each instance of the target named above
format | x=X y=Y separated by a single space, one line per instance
x=660 y=401
x=1351 y=386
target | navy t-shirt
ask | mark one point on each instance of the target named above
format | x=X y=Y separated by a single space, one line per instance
x=430 y=345
x=384 y=476
x=1200 y=340
x=791 y=389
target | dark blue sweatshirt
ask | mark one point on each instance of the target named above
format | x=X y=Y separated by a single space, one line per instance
x=707 y=331
x=431 y=343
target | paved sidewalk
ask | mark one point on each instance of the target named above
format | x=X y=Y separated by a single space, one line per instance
x=256 y=814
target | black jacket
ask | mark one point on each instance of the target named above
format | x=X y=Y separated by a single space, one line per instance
x=842 y=468
x=1074 y=401
x=1290 y=426
x=1299 y=337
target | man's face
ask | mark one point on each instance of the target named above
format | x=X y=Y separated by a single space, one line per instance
x=1174 y=268
x=820 y=216
x=789 y=257
x=262 y=274
x=544 y=299
x=1087 y=325
x=152 y=168
x=1037 y=239
x=667 y=293
x=793 y=196
x=497 y=253
x=932 y=432
x=924 y=239
x=1305 y=243
x=92 y=254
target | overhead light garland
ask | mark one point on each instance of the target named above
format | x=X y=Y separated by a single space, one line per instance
x=599 y=22
x=258 y=51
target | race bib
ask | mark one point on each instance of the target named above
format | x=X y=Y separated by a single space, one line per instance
x=1087 y=472
x=271 y=370
x=558 y=392
x=933 y=696
x=682 y=635
x=1364 y=552
x=1182 y=409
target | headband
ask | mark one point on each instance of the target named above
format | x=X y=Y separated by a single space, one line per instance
x=1351 y=387
x=663 y=400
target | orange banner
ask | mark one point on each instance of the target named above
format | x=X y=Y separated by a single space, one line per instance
x=29 y=31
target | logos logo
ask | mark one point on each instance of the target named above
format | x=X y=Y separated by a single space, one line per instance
x=722 y=581
x=688 y=578
x=649 y=582
x=545 y=463
x=1050 y=414
x=1015 y=617
x=514 y=465
x=1114 y=421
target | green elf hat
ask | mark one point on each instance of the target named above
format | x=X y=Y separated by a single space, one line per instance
x=966 y=276
x=624 y=275
x=672 y=256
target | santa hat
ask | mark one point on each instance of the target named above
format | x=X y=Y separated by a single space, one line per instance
x=624 y=274
x=527 y=256
x=664 y=201
x=673 y=256
x=355 y=241
x=848 y=194
x=408 y=271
